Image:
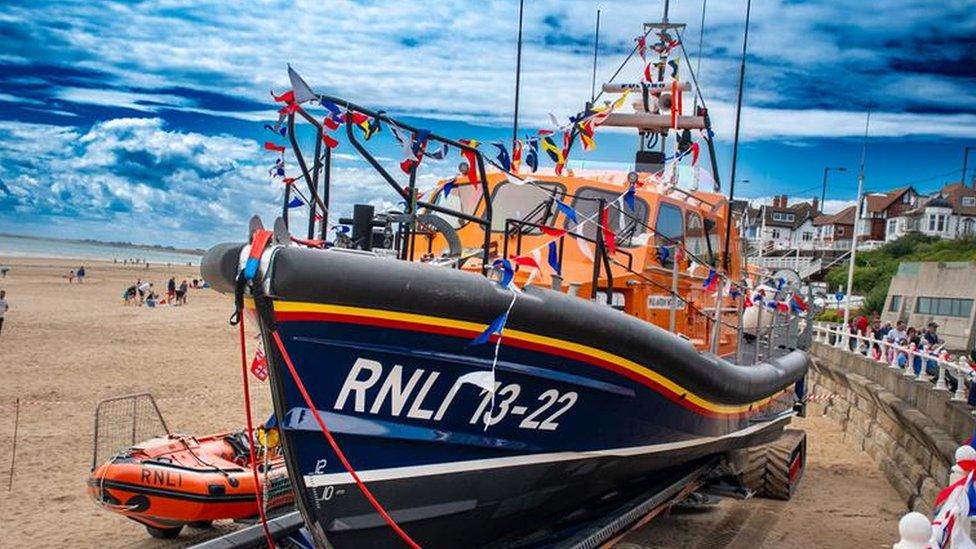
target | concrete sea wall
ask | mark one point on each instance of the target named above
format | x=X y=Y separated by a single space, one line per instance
x=910 y=430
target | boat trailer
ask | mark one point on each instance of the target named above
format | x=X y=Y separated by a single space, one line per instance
x=771 y=470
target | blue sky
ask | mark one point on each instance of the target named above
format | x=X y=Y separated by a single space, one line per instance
x=143 y=121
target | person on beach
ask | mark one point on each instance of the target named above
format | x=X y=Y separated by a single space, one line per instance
x=130 y=295
x=3 y=306
x=71 y=276
x=181 y=293
x=144 y=289
x=171 y=290
x=81 y=274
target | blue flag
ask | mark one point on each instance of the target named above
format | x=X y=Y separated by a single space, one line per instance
x=495 y=327
x=280 y=130
x=554 y=258
x=507 y=271
x=779 y=283
x=630 y=197
x=503 y=159
x=663 y=253
x=332 y=107
x=449 y=186
x=295 y=202
x=419 y=142
x=569 y=212
x=437 y=154
x=532 y=155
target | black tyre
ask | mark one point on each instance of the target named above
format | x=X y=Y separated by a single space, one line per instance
x=164 y=533
x=774 y=470
x=201 y=524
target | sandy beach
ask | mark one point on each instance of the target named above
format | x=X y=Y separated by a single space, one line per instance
x=66 y=346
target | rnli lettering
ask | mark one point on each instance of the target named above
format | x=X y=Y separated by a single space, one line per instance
x=161 y=477
x=372 y=388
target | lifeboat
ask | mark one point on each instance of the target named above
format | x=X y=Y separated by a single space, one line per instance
x=170 y=482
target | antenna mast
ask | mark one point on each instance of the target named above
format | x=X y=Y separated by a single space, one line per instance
x=518 y=73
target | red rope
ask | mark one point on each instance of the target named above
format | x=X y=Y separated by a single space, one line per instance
x=335 y=447
x=250 y=439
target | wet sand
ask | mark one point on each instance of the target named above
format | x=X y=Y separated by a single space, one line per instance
x=66 y=346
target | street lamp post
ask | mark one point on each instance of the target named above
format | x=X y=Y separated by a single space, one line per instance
x=823 y=191
x=965 y=159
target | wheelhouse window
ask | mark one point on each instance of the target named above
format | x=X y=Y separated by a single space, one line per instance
x=627 y=225
x=462 y=198
x=528 y=202
x=701 y=236
x=669 y=226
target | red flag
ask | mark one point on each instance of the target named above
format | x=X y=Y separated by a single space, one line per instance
x=330 y=123
x=329 y=141
x=269 y=146
x=471 y=158
x=288 y=109
x=288 y=180
x=287 y=97
x=526 y=261
x=358 y=117
x=609 y=238
x=647 y=72
x=552 y=231
x=259 y=365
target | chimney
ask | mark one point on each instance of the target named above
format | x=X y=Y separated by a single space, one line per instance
x=816 y=204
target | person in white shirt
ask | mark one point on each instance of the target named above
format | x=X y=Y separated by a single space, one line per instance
x=3 y=306
x=897 y=333
x=144 y=288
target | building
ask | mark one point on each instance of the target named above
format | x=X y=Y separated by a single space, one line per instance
x=949 y=213
x=835 y=230
x=943 y=292
x=878 y=208
x=782 y=226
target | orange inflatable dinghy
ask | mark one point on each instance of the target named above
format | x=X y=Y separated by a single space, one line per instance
x=168 y=482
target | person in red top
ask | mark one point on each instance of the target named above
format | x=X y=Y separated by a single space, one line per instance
x=861 y=324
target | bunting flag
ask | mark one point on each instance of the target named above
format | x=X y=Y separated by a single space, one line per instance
x=747 y=301
x=330 y=122
x=555 y=153
x=648 y=76
x=278 y=170
x=552 y=231
x=288 y=109
x=287 y=98
x=759 y=296
x=600 y=114
x=471 y=158
x=609 y=238
x=554 y=258
x=516 y=155
x=438 y=153
x=525 y=261
x=269 y=146
x=630 y=197
x=334 y=110
x=586 y=135
x=295 y=202
x=679 y=253
x=502 y=157
x=277 y=129
x=414 y=150
x=779 y=283
x=663 y=253
x=782 y=307
x=302 y=91
x=495 y=327
x=532 y=155
x=641 y=46
x=695 y=149
x=798 y=304
x=508 y=272
x=566 y=210
x=734 y=291
x=288 y=180
x=259 y=365
x=673 y=63
x=329 y=141
x=711 y=281
x=449 y=186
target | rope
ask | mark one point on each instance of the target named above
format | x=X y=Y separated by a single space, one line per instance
x=258 y=498
x=335 y=446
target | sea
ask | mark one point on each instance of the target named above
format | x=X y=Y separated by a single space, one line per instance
x=21 y=246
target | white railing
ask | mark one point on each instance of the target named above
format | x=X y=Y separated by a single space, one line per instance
x=892 y=356
x=951 y=526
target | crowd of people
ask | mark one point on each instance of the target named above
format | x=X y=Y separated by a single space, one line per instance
x=143 y=292
x=895 y=344
x=76 y=275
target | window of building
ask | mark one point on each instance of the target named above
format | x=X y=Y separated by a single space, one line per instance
x=775 y=233
x=968 y=226
x=944 y=306
x=807 y=236
x=783 y=217
x=839 y=231
x=937 y=222
x=627 y=225
x=969 y=201
x=892 y=226
x=895 y=304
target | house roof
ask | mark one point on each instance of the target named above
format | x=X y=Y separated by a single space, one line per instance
x=879 y=202
x=954 y=193
x=801 y=212
x=843 y=217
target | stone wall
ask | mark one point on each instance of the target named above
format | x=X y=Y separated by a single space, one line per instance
x=910 y=430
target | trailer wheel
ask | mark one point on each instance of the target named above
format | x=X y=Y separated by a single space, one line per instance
x=774 y=470
x=164 y=533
